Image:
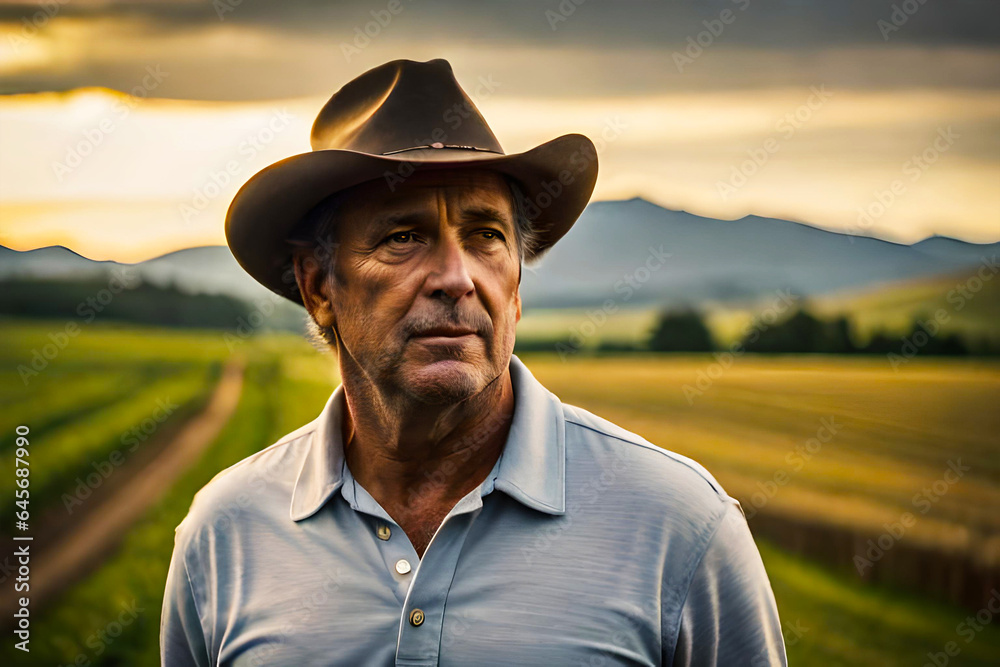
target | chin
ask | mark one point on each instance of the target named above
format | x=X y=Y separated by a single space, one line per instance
x=444 y=381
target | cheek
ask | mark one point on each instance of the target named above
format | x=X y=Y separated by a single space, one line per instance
x=507 y=298
x=374 y=300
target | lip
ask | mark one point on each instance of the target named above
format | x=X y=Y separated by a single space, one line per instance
x=446 y=332
x=445 y=340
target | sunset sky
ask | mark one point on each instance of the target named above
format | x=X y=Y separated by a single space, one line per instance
x=809 y=111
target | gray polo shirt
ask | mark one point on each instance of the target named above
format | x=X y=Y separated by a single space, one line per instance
x=586 y=545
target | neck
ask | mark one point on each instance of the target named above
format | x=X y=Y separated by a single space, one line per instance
x=411 y=455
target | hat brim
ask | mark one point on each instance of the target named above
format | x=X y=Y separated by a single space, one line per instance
x=558 y=178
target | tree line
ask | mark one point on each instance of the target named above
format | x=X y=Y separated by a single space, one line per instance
x=90 y=299
x=804 y=333
x=801 y=332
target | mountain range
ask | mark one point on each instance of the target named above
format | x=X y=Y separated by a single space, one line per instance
x=632 y=251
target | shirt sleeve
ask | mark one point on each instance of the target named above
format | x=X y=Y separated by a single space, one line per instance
x=730 y=616
x=182 y=639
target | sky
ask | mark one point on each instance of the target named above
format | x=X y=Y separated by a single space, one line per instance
x=127 y=127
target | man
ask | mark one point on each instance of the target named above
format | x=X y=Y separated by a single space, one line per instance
x=445 y=508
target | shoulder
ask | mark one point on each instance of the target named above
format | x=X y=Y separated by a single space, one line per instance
x=655 y=475
x=253 y=489
x=682 y=502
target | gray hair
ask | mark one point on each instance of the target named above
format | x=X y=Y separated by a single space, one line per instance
x=318 y=231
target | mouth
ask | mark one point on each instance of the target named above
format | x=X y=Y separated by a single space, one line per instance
x=445 y=335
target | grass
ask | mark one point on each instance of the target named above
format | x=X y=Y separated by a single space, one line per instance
x=79 y=394
x=897 y=430
x=101 y=344
x=86 y=395
x=827 y=619
x=81 y=453
x=273 y=403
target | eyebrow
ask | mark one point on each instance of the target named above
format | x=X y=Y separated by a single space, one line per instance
x=469 y=216
x=484 y=214
x=390 y=220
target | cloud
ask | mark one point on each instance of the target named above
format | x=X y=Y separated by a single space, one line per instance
x=264 y=50
x=223 y=75
x=161 y=175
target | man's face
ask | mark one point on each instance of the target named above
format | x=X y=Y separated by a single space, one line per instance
x=424 y=288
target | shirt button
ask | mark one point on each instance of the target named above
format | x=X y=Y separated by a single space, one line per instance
x=403 y=566
x=384 y=532
x=416 y=617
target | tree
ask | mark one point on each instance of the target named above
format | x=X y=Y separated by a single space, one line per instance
x=681 y=331
x=802 y=332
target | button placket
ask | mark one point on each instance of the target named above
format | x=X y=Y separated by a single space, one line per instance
x=389 y=540
x=423 y=612
x=422 y=620
x=398 y=555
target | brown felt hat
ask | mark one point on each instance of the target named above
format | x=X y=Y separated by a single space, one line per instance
x=391 y=120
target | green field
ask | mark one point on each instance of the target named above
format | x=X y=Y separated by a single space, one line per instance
x=895 y=432
x=828 y=620
x=286 y=385
x=105 y=393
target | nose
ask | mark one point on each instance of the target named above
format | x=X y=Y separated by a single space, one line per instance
x=449 y=273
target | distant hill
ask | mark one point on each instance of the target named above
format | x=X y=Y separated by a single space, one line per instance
x=963 y=302
x=201 y=270
x=722 y=261
x=220 y=294
x=613 y=252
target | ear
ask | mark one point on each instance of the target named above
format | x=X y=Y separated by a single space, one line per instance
x=311 y=277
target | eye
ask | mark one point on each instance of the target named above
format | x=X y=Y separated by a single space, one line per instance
x=492 y=234
x=400 y=237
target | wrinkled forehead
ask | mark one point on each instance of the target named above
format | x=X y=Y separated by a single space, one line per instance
x=422 y=189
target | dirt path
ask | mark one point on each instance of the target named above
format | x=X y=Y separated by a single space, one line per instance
x=87 y=542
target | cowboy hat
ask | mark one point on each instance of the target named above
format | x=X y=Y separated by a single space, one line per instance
x=386 y=123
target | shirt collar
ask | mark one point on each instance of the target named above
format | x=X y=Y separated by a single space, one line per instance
x=532 y=468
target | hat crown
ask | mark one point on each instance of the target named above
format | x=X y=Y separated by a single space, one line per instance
x=402 y=105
